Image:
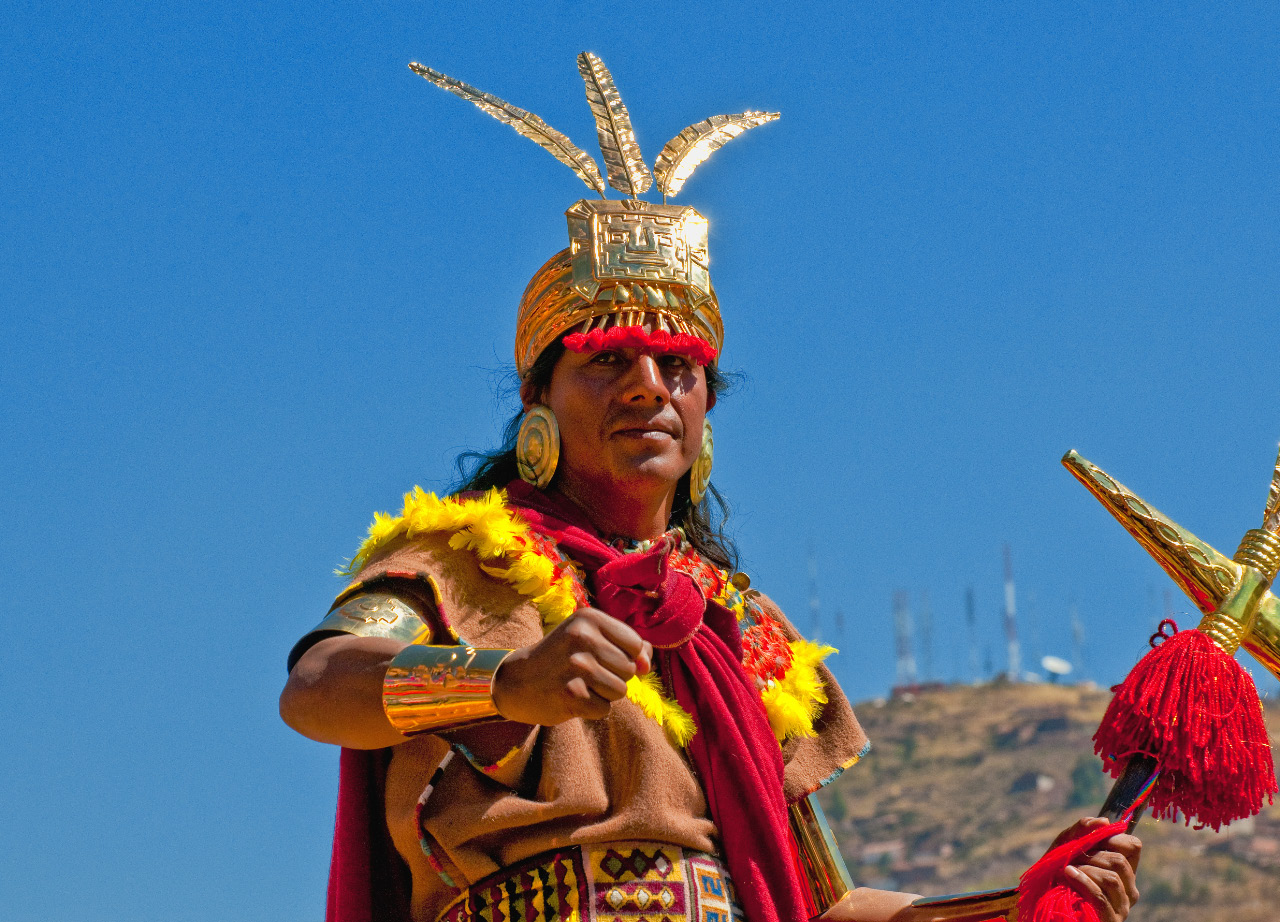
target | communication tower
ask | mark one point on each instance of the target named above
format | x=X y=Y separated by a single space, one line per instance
x=815 y=604
x=926 y=639
x=971 y=619
x=902 y=637
x=1077 y=641
x=1010 y=620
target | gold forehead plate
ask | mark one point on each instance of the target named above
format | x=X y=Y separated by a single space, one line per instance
x=626 y=242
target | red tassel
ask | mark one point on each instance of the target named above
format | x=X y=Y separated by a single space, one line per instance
x=1196 y=710
x=1042 y=898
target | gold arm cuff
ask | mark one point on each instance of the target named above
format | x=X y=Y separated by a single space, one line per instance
x=826 y=874
x=432 y=689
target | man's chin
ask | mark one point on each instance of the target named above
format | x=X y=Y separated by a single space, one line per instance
x=656 y=468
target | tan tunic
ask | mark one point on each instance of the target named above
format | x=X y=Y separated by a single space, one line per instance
x=579 y=782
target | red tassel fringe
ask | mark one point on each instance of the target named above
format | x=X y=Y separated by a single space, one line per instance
x=659 y=342
x=1042 y=897
x=1196 y=710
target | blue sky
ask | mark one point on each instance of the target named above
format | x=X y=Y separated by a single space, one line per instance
x=258 y=280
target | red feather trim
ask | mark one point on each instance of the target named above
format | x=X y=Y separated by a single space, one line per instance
x=659 y=342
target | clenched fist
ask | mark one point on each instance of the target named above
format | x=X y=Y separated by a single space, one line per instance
x=578 y=670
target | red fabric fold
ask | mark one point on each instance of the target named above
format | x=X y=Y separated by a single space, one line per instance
x=349 y=898
x=368 y=881
x=698 y=649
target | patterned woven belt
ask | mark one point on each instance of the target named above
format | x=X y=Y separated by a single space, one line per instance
x=610 y=882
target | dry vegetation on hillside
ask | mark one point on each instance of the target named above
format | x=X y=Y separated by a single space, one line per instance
x=966 y=786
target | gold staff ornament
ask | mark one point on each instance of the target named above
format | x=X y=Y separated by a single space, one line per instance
x=1229 y=774
x=1188 y=707
x=631 y=265
x=1207 y=576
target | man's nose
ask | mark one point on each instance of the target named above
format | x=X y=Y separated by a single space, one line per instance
x=644 y=381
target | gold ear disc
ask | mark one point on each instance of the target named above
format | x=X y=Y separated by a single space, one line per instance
x=538 y=446
x=700 y=475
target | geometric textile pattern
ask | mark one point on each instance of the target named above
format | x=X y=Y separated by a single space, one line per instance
x=714 y=896
x=547 y=887
x=612 y=882
x=637 y=882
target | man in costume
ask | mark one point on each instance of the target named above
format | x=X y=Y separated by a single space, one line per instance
x=556 y=697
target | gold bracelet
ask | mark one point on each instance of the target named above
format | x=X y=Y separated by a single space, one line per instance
x=431 y=689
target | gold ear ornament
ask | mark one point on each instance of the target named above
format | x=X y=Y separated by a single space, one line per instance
x=700 y=474
x=538 y=446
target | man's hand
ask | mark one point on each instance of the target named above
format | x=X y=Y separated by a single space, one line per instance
x=578 y=670
x=1107 y=877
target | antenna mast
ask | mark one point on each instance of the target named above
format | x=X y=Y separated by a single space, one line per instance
x=1077 y=642
x=971 y=619
x=902 y=637
x=815 y=605
x=1010 y=620
x=926 y=638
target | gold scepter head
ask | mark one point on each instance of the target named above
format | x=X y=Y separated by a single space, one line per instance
x=1188 y=704
x=1205 y=575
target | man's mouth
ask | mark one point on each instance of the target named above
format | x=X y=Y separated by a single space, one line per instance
x=648 y=430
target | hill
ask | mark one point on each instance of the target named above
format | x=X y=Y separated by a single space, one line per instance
x=965 y=786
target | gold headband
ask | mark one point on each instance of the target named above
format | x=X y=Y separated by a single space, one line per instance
x=629 y=262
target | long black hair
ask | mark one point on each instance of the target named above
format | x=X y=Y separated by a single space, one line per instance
x=703 y=523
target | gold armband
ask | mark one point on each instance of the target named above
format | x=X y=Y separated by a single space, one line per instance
x=431 y=689
x=367 y=614
x=377 y=614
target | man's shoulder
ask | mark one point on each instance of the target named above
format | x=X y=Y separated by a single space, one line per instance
x=434 y=523
x=483 y=563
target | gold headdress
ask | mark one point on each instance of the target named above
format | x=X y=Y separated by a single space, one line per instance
x=630 y=264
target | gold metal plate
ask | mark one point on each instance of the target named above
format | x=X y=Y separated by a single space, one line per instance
x=626 y=241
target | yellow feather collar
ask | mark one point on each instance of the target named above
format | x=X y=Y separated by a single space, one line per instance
x=508 y=550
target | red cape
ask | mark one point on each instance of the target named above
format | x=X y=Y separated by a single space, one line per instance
x=368 y=881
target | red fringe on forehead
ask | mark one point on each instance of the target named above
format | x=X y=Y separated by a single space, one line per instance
x=659 y=342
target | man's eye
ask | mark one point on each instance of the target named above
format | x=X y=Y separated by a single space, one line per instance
x=604 y=358
x=674 y=361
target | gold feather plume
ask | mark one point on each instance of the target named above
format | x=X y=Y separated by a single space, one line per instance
x=623 y=161
x=691 y=147
x=525 y=123
x=1271 y=519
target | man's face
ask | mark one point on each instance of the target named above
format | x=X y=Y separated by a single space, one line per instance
x=627 y=419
